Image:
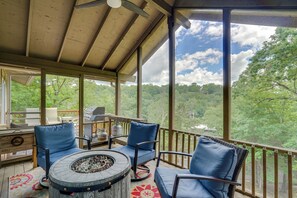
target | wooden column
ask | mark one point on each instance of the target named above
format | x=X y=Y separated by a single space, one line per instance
x=139 y=82
x=171 y=38
x=8 y=100
x=43 y=98
x=81 y=110
x=226 y=74
x=118 y=96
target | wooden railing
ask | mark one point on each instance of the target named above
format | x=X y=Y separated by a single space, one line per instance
x=260 y=175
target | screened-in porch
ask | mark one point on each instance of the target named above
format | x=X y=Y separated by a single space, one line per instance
x=197 y=68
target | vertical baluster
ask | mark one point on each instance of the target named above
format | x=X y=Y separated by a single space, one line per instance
x=253 y=170
x=189 y=147
x=183 y=148
x=176 y=146
x=276 y=173
x=243 y=174
x=290 y=176
x=194 y=142
x=163 y=143
x=264 y=173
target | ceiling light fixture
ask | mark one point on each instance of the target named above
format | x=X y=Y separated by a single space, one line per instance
x=114 y=3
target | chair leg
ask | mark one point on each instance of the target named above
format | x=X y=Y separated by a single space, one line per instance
x=44 y=180
x=136 y=178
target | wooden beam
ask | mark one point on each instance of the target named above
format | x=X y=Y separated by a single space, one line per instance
x=171 y=42
x=30 y=62
x=226 y=73
x=242 y=4
x=150 y=30
x=81 y=110
x=29 y=23
x=250 y=17
x=139 y=82
x=96 y=36
x=66 y=32
x=166 y=9
x=119 y=40
x=182 y=20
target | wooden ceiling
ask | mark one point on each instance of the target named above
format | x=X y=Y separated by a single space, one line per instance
x=98 y=37
x=101 y=41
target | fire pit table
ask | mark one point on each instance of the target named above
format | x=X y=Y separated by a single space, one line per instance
x=98 y=173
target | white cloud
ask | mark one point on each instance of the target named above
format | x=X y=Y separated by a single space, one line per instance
x=251 y=35
x=155 y=70
x=196 y=27
x=191 y=61
x=239 y=63
x=200 y=76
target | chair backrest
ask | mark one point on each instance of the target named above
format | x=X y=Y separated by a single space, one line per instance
x=141 y=132
x=32 y=118
x=57 y=137
x=52 y=114
x=242 y=153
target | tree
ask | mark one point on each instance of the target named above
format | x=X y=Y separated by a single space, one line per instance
x=265 y=96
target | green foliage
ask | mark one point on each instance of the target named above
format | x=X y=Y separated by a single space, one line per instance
x=265 y=96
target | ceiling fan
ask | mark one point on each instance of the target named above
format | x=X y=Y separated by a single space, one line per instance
x=115 y=4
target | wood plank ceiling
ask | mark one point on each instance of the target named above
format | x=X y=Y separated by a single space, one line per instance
x=97 y=37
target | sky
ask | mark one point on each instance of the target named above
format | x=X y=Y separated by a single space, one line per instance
x=199 y=53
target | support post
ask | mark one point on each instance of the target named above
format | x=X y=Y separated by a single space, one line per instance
x=8 y=94
x=81 y=110
x=43 y=98
x=171 y=38
x=226 y=74
x=118 y=96
x=139 y=82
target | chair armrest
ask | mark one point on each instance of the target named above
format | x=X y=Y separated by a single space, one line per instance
x=198 y=177
x=36 y=145
x=171 y=152
x=47 y=158
x=87 y=139
x=114 y=137
x=146 y=142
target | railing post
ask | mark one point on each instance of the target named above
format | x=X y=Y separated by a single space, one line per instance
x=171 y=38
x=290 y=175
x=276 y=173
x=264 y=156
x=253 y=161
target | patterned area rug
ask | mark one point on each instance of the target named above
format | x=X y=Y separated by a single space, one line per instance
x=27 y=185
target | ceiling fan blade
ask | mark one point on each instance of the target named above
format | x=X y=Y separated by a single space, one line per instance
x=134 y=8
x=91 y=4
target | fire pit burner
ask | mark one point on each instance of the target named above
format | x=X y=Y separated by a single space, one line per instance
x=92 y=164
